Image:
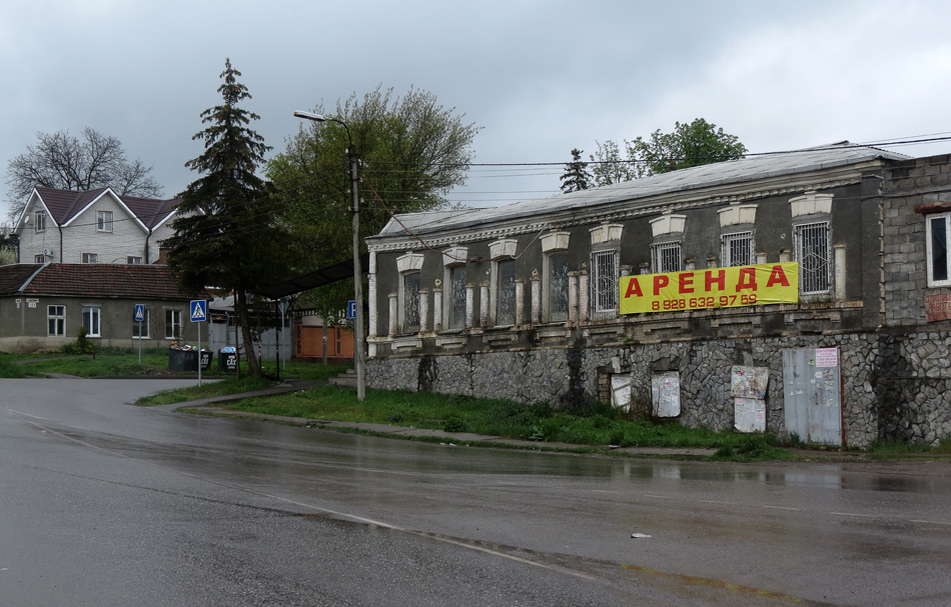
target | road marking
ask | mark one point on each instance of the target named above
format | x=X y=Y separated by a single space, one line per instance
x=721 y=503
x=660 y=497
x=782 y=508
x=928 y=522
x=853 y=514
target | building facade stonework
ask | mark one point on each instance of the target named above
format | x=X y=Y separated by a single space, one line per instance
x=522 y=302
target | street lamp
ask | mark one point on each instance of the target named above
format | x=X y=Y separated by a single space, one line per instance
x=359 y=356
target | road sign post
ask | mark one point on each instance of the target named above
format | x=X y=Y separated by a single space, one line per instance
x=198 y=312
x=140 y=316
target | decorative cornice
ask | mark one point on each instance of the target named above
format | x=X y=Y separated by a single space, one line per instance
x=666 y=203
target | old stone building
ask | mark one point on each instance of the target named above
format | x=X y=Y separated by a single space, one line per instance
x=803 y=292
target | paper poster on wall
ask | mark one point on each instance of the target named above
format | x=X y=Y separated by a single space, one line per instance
x=665 y=394
x=749 y=382
x=827 y=357
x=749 y=414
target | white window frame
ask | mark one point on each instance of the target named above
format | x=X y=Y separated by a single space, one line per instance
x=39 y=259
x=728 y=240
x=104 y=221
x=90 y=257
x=39 y=221
x=931 y=262
x=56 y=320
x=173 y=321
x=92 y=320
x=605 y=273
x=810 y=278
x=660 y=259
x=133 y=260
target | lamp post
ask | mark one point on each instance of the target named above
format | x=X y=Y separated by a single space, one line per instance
x=359 y=355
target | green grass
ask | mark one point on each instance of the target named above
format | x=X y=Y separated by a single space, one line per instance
x=598 y=425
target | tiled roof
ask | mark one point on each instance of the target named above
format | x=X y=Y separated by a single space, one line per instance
x=91 y=280
x=708 y=175
x=64 y=204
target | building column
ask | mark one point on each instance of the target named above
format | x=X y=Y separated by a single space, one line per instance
x=437 y=306
x=484 y=303
x=536 y=298
x=572 y=296
x=423 y=310
x=584 y=294
x=394 y=313
x=371 y=296
x=519 y=302
x=470 y=305
x=839 y=256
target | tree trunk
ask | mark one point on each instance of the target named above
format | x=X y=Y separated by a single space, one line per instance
x=241 y=309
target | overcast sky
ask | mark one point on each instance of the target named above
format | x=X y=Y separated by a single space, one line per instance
x=539 y=77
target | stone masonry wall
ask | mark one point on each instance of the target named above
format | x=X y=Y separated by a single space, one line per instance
x=877 y=402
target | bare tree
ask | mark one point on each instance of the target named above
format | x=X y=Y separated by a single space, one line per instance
x=59 y=160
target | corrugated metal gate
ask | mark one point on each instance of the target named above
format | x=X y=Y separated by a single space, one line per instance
x=813 y=399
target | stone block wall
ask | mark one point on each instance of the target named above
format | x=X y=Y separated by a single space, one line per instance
x=892 y=387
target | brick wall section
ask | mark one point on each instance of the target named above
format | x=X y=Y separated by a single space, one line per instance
x=907 y=185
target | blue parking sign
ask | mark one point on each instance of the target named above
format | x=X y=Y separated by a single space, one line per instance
x=352 y=308
x=199 y=311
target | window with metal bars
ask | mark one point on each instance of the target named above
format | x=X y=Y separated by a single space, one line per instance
x=738 y=249
x=812 y=252
x=666 y=257
x=604 y=284
x=939 y=268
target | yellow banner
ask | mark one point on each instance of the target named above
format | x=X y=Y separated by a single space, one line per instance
x=758 y=285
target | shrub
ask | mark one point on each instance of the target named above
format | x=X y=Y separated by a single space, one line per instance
x=454 y=423
x=82 y=345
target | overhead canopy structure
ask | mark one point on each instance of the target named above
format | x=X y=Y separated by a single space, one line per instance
x=317 y=278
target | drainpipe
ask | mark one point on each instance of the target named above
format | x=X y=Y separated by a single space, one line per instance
x=60 y=228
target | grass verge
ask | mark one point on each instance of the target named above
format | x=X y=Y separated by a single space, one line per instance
x=598 y=425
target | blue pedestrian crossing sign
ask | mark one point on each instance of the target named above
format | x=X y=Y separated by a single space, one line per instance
x=139 y=312
x=199 y=311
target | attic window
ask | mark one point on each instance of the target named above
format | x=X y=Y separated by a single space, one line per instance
x=104 y=221
x=39 y=223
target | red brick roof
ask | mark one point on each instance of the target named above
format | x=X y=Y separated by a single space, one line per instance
x=64 y=204
x=91 y=280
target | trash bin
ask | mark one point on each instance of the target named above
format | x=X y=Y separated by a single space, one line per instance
x=182 y=360
x=227 y=360
x=205 y=358
x=187 y=360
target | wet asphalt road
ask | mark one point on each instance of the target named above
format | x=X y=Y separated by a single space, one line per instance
x=103 y=503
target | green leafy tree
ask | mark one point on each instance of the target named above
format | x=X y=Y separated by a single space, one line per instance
x=413 y=151
x=229 y=235
x=689 y=144
x=576 y=175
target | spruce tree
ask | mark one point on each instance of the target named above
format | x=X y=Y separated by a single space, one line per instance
x=576 y=175
x=227 y=236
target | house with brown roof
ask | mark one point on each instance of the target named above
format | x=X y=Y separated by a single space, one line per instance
x=42 y=306
x=98 y=226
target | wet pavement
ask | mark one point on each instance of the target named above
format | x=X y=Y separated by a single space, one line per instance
x=109 y=504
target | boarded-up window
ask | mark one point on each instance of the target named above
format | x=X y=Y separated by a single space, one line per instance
x=506 y=293
x=457 y=298
x=411 y=302
x=558 y=288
